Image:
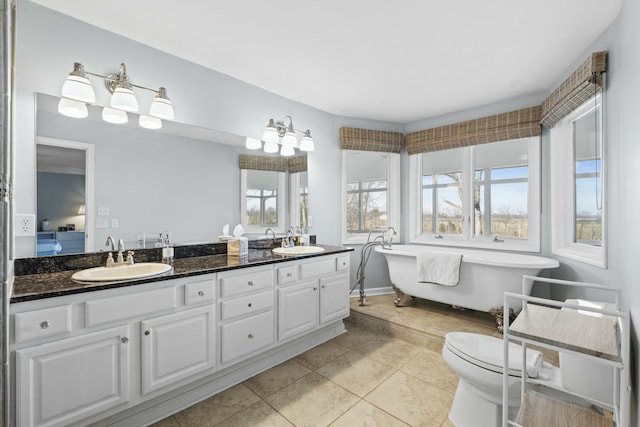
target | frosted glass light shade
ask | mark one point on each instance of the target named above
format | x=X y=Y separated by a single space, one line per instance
x=289 y=139
x=111 y=115
x=253 y=143
x=149 y=122
x=271 y=147
x=161 y=108
x=306 y=143
x=78 y=88
x=124 y=99
x=287 y=151
x=270 y=133
x=71 y=108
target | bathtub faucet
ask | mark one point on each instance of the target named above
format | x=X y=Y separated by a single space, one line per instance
x=386 y=244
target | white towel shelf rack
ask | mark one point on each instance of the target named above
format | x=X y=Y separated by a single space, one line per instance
x=605 y=339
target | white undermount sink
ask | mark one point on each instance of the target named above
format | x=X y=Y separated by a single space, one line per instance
x=297 y=250
x=121 y=272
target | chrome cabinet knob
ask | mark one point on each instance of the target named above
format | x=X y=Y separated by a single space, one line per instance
x=250 y=283
x=124 y=340
x=147 y=332
x=315 y=289
x=289 y=274
x=201 y=293
x=44 y=324
x=250 y=336
x=249 y=305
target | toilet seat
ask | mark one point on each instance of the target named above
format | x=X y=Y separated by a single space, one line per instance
x=487 y=352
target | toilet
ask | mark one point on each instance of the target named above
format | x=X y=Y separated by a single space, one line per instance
x=478 y=361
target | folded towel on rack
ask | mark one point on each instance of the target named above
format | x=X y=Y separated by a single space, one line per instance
x=439 y=268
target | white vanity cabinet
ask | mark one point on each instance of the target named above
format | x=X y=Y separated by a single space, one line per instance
x=65 y=381
x=311 y=293
x=246 y=313
x=80 y=355
x=132 y=355
x=176 y=346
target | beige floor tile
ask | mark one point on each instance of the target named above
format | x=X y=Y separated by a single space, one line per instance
x=214 y=410
x=356 y=372
x=412 y=400
x=167 y=422
x=365 y=414
x=447 y=423
x=257 y=415
x=276 y=378
x=430 y=367
x=312 y=401
x=321 y=355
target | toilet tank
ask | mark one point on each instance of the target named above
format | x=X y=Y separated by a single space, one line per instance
x=584 y=376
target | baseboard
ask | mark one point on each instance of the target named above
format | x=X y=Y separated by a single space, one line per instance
x=385 y=290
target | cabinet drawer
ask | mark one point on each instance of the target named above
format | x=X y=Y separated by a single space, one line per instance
x=123 y=307
x=198 y=293
x=237 y=284
x=287 y=274
x=48 y=322
x=245 y=305
x=342 y=263
x=242 y=337
x=317 y=268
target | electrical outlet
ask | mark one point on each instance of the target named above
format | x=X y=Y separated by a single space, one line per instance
x=25 y=225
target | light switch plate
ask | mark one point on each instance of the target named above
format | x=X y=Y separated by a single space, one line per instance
x=103 y=210
x=102 y=223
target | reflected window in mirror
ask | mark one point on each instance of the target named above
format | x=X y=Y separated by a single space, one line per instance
x=299 y=184
x=263 y=200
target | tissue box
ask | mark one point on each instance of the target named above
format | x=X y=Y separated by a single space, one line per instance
x=238 y=246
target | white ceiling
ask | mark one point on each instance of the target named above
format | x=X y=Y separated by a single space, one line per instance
x=397 y=61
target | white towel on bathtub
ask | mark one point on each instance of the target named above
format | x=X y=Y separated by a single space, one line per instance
x=439 y=268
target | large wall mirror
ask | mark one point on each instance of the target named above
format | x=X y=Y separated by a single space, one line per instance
x=97 y=179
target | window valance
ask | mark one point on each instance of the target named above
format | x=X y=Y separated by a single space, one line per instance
x=297 y=164
x=500 y=127
x=263 y=163
x=370 y=140
x=581 y=85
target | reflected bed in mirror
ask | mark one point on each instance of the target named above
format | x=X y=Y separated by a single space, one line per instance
x=140 y=183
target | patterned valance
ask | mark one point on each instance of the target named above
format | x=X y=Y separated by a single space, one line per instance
x=576 y=90
x=500 y=127
x=370 y=140
x=298 y=164
x=263 y=163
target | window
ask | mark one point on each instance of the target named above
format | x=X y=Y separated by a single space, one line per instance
x=299 y=187
x=485 y=195
x=372 y=198
x=577 y=176
x=263 y=200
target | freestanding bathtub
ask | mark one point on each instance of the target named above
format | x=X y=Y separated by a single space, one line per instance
x=484 y=275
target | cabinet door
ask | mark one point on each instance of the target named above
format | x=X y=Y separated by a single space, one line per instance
x=65 y=381
x=176 y=346
x=297 y=309
x=334 y=298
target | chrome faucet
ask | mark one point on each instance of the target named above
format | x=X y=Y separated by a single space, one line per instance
x=288 y=240
x=273 y=233
x=120 y=257
x=387 y=244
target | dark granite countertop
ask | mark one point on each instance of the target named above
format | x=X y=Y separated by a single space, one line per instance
x=29 y=287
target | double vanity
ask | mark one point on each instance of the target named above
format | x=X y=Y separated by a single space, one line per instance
x=130 y=352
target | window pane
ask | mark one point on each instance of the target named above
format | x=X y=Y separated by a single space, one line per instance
x=442 y=192
x=262 y=198
x=588 y=180
x=367 y=198
x=501 y=189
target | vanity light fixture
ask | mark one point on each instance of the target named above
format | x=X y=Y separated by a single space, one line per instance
x=77 y=92
x=279 y=136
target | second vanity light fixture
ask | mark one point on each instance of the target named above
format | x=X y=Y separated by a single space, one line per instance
x=77 y=92
x=278 y=136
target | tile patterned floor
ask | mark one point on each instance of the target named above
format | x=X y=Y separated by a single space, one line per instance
x=385 y=371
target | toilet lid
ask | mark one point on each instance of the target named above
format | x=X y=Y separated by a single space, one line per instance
x=487 y=352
